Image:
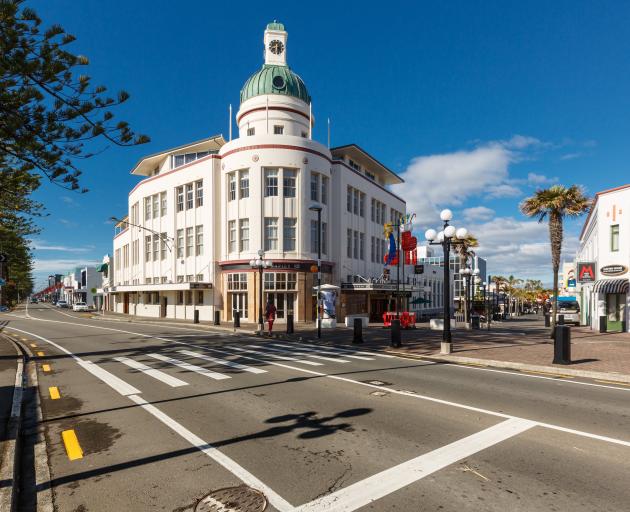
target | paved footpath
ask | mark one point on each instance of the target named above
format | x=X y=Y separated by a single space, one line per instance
x=142 y=416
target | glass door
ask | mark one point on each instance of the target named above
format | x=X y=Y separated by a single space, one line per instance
x=615 y=310
x=239 y=303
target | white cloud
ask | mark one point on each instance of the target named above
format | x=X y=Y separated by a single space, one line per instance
x=570 y=156
x=539 y=179
x=503 y=190
x=477 y=213
x=41 y=245
x=522 y=142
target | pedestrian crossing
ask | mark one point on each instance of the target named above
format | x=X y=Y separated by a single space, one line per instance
x=233 y=358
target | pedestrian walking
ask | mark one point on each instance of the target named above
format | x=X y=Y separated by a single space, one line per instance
x=270 y=314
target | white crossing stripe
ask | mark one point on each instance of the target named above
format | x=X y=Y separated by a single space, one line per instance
x=174 y=382
x=275 y=356
x=391 y=480
x=345 y=351
x=108 y=378
x=297 y=353
x=231 y=364
x=190 y=367
x=317 y=351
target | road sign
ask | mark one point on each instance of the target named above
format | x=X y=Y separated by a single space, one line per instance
x=418 y=269
x=3 y=258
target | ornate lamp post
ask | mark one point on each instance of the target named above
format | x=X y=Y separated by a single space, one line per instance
x=447 y=237
x=260 y=264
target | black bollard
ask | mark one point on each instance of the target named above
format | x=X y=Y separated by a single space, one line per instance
x=547 y=320
x=560 y=320
x=196 y=317
x=562 y=345
x=396 y=335
x=358 y=331
x=217 y=318
x=237 y=319
x=603 y=324
x=290 y=323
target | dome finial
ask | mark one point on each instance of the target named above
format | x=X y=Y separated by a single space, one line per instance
x=275 y=25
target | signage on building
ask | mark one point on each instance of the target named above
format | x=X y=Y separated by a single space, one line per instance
x=586 y=272
x=571 y=283
x=418 y=269
x=402 y=294
x=613 y=270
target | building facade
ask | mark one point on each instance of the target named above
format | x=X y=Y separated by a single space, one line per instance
x=603 y=259
x=204 y=210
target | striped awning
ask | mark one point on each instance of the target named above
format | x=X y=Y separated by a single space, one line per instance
x=611 y=286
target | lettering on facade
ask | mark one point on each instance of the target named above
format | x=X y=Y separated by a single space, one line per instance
x=586 y=272
x=613 y=270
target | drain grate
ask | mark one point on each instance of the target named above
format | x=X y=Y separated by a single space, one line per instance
x=233 y=499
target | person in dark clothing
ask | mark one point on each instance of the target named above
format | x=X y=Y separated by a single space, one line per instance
x=270 y=314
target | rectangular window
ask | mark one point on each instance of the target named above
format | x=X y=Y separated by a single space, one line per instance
x=243 y=235
x=135 y=249
x=251 y=131
x=324 y=189
x=244 y=185
x=383 y=211
x=156 y=247
x=147 y=248
x=189 y=278
x=271 y=234
x=125 y=256
x=180 y=199
x=614 y=238
x=134 y=214
x=232 y=236
x=189 y=196
x=288 y=183
x=178 y=160
x=372 y=205
x=314 y=187
x=324 y=238
x=349 y=200
x=355 y=252
x=288 y=234
x=349 y=241
x=180 y=297
x=361 y=204
x=378 y=213
x=156 y=206
x=180 y=243
x=362 y=246
x=355 y=208
x=189 y=241
x=198 y=240
x=372 y=249
x=147 y=208
x=271 y=182
x=278 y=129
x=162 y=204
x=200 y=297
x=163 y=246
x=189 y=298
x=232 y=186
x=199 y=193
x=314 y=236
x=180 y=279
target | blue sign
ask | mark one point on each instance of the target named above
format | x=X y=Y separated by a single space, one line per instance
x=571 y=283
x=2 y=282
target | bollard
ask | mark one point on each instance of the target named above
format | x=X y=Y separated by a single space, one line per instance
x=358 y=331
x=290 y=323
x=196 y=316
x=547 y=320
x=603 y=324
x=217 y=318
x=560 y=320
x=237 y=319
x=475 y=322
x=395 y=330
x=562 y=345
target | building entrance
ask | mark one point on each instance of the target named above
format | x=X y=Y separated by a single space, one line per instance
x=615 y=311
x=239 y=303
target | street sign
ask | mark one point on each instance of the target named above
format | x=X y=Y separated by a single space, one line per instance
x=2 y=282
x=418 y=269
x=3 y=258
x=402 y=294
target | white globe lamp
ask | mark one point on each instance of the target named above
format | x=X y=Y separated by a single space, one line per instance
x=446 y=215
x=462 y=233
x=430 y=234
x=449 y=232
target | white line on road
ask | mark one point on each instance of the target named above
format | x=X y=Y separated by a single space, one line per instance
x=190 y=367
x=275 y=356
x=393 y=479
x=345 y=351
x=174 y=382
x=308 y=349
x=303 y=354
x=231 y=364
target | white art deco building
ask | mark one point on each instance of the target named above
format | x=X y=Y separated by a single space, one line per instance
x=202 y=211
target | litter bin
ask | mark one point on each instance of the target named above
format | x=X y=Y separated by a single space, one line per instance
x=475 y=322
x=562 y=345
x=290 y=323
x=237 y=319
x=357 y=336
x=395 y=330
x=196 y=316
x=217 y=318
x=603 y=323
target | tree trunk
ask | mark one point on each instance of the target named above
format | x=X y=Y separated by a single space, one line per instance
x=555 y=237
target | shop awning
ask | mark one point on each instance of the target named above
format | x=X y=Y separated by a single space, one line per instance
x=611 y=286
x=102 y=267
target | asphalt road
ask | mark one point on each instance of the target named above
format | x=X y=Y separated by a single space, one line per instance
x=163 y=415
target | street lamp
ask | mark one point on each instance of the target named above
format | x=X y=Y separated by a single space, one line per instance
x=466 y=274
x=260 y=263
x=447 y=237
x=318 y=209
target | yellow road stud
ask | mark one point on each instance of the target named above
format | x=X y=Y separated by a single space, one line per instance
x=73 y=448
x=54 y=393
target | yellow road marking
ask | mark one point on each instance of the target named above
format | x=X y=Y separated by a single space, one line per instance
x=46 y=367
x=54 y=393
x=473 y=364
x=548 y=374
x=73 y=448
x=613 y=382
x=40 y=354
x=33 y=345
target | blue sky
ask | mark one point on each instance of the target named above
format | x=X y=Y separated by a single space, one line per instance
x=475 y=103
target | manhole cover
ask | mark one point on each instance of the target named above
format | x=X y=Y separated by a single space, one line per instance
x=233 y=499
x=377 y=382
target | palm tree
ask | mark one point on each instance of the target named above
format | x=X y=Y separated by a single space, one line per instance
x=556 y=203
x=499 y=286
x=464 y=249
x=511 y=287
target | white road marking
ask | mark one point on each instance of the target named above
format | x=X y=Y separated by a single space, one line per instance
x=174 y=382
x=190 y=367
x=393 y=479
x=348 y=351
x=231 y=364
x=308 y=349
x=275 y=356
x=295 y=352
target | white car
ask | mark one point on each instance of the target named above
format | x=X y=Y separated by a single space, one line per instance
x=61 y=304
x=570 y=310
x=80 y=306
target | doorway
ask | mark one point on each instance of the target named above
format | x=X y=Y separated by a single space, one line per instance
x=240 y=304
x=163 y=304
x=615 y=311
x=126 y=303
x=284 y=302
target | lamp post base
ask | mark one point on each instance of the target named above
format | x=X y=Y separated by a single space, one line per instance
x=446 y=348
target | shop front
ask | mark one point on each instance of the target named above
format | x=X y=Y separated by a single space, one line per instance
x=612 y=303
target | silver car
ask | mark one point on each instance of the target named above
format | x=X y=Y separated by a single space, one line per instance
x=571 y=311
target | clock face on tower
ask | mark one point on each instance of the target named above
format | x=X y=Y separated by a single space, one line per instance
x=276 y=47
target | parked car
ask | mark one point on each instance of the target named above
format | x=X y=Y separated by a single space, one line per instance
x=3 y=309
x=33 y=300
x=80 y=306
x=571 y=311
x=62 y=304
